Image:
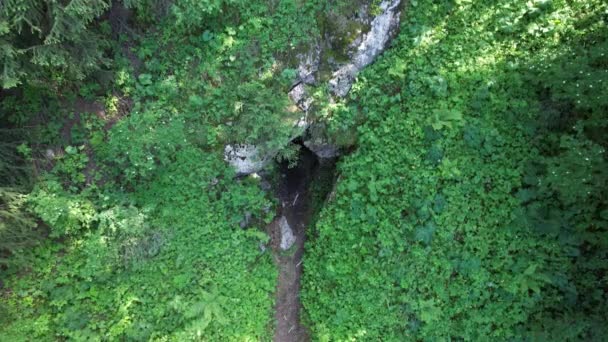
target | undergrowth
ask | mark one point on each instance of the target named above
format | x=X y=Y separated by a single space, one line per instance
x=473 y=206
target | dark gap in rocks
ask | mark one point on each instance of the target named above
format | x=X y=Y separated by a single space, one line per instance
x=297 y=179
x=302 y=190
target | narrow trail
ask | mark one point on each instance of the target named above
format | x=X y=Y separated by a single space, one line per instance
x=297 y=209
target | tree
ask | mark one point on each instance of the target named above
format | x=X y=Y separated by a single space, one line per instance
x=52 y=41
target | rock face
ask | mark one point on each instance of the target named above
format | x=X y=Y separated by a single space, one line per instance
x=287 y=237
x=298 y=95
x=245 y=159
x=309 y=64
x=246 y=221
x=363 y=49
x=322 y=149
x=383 y=27
x=308 y=67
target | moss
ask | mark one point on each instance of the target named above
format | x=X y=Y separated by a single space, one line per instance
x=340 y=31
x=346 y=138
x=339 y=28
x=291 y=58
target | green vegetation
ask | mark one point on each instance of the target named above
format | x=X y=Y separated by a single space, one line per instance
x=141 y=212
x=472 y=207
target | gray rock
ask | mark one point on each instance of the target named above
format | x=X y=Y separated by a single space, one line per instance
x=299 y=96
x=265 y=185
x=383 y=27
x=246 y=221
x=322 y=149
x=287 y=237
x=308 y=64
x=245 y=159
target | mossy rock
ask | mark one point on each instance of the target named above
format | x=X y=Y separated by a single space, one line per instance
x=340 y=26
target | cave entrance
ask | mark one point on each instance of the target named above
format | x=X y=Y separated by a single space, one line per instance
x=296 y=179
x=302 y=190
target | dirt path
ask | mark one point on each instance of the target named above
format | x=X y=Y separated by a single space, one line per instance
x=288 y=306
x=297 y=209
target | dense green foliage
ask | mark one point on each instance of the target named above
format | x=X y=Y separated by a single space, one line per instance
x=472 y=207
x=44 y=41
x=141 y=211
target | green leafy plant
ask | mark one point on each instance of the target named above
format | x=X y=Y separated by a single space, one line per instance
x=72 y=164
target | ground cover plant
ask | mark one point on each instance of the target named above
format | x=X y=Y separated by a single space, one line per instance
x=474 y=206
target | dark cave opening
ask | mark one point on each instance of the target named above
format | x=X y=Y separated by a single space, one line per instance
x=296 y=179
x=302 y=191
x=310 y=180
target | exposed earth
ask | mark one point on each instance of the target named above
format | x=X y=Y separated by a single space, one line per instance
x=296 y=207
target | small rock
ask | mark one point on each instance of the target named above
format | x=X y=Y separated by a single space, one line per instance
x=287 y=237
x=246 y=220
x=245 y=159
x=49 y=153
x=299 y=96
x=255 y=175
x=265 y=185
